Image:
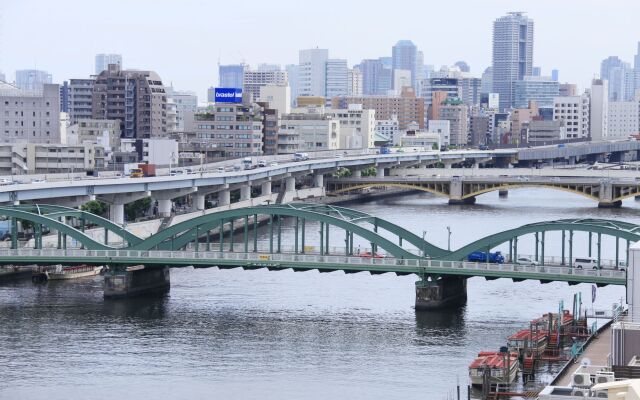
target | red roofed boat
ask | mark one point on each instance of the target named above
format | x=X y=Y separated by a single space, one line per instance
x=501 y=367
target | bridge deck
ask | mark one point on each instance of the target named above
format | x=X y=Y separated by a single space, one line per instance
x=324 y=263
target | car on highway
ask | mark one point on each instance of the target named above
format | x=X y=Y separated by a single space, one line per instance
x=229 y=168
x=526 y=261
x=39 y=180
x=6 y=182
x=262 y=163
x=220 y=169
x=273 y=164
x=368 y=254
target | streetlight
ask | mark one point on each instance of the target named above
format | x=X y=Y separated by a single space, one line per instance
x=449 y=238
x=424 y=248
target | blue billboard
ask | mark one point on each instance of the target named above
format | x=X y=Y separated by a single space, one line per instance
x=228 y=95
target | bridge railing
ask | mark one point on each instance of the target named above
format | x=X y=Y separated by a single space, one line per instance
x=266 y=259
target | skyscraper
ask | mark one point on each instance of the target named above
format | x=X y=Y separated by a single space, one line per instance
x=636 y=69
x=231 y=76
x=337 y=78
x=620 y=77
x=405 y=56
x=312 y=64
x=512 y=54
x=103 y=61
x=32 y=79
x=376 y=77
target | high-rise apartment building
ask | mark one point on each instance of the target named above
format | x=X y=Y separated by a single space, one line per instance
x=512 y=55
x=28 y=115
x=599 y=109
x=636 y=69
x=337 y=78
x=312 y=71
x=103 y=61
x=32 y=79
x=136 y=98
x=231 y=76
x=405 y=57
x=255 y=79
x=80 y=99
x=354 y=82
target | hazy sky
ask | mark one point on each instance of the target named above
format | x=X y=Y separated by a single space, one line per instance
x=184 y=39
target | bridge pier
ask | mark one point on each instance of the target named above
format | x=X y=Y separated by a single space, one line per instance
x=467 y=200
x=224 y=197
x=265 y=188
x=245 y=193
x=439 y=293
x=503 y=193
x=125 y=282
x=116 y=213
x=199 y=201
x=610 y=204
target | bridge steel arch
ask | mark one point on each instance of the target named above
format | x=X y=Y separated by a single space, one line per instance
x=619 y=230
x=44 y=220
x=54 y=211
x=178 y=236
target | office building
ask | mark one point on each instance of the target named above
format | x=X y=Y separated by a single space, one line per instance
x=404 y=56
x=480 y=129
x=544 y=132
x=32 y=79
x=487 y=80
x=620 y=77
x=512 y=55
x=231 y=76
x=401 y=78
x=470 y=90
x=456 y=113
x=376 y=77
x=337 y=78
x=312 y=71
x=354 y=82
x=407 y=107
x=636 y=69
x=102 y=132
x=278 y=97
x=623 y=119
x=567 y=90
x=574 y=111
x=540 y=89
x=103 y=61
x=255 y=79
x=443 y=129
x=136 y=98
x=463 y=66
x=64 y=97
x=42 y=158
x=536 y=71
x=451 y=86
x=313 y=131
x=555 y=75
x=3 y=77
x=292 y=76
x=599 y=109
x=30 y=116
x=227 y=130
x=437 y=99
x=270 y=127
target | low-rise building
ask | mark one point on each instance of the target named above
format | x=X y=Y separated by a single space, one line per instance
x=39 y=158
x=541 y=132
x=308 y=132
x=443 y=129
x=389 y=129
x=357 y=126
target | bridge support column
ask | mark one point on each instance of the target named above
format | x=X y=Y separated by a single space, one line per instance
x=456 y=192
x=265 y=188
x=439 y=293
x=128 y=282
x=318 y=180
x=198 y=202
x=245 y=193
x=224 y=197
x=503 y=193
x=164 y=207
x=606 y=197
x=358 y=174
x=116 y=213
x=380 y=172
x=610 y=204
x=290 y=184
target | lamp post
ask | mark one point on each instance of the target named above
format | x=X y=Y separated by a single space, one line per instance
x=424 y=248
x=449 y=238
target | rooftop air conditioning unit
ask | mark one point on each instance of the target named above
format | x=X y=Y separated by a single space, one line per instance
x=601 y=394
x=581 y=379
x=604 y=377
x=580 y=393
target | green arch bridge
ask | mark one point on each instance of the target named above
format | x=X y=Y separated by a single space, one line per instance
x=78 y=237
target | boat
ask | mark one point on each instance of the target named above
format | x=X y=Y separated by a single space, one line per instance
x=527 y=339
x=58 y=272
x=500 y=367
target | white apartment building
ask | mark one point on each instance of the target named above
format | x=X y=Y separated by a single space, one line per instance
x=574 y=111
x=30 y=116
x=442 y=128
x=80 y=99
x=312 y=65
x=357 y=126
x=599 y=110
x=308 y=132
x=38 y=158
x=278 y=97
x=185 y=102
x=104 y=132
x=623 y=119
x=254 y=80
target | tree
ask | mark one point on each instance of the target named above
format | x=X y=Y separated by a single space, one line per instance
x=371 y=171
x=435 y=147
x=137 y=209
x=95 y=207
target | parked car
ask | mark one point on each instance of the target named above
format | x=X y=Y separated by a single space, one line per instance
x=585 y=262
x=526 y=261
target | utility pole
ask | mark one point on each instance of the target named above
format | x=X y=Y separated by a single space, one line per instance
x=449 y=238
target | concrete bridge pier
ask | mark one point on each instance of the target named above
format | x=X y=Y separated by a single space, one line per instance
x=116 y=213
x=434 y=293
x=116 y=204
x=199 y=201
x=356 y=173
x=605 y=197
x=265 y=188
x=455 y=194
x=380 y=171
x=290 y=184
x=122 y=282
x=165 y=197
x=224 y=197
x=503 y=193
x=245 y=193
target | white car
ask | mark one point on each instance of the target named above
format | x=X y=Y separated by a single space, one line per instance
x=586 y=263
x=526 y=261
x=273 y=164
x=220 y=169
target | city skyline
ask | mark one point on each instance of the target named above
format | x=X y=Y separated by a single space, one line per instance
x=144 y=44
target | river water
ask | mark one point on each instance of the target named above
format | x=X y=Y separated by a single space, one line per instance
x=235 y=334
